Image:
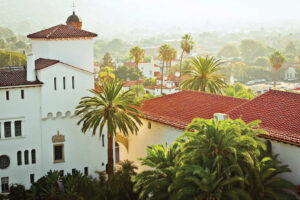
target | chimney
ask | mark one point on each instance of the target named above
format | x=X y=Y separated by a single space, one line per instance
x=220 y=116
x=30 y=68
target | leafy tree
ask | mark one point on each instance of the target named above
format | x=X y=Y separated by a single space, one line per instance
x=107 y=61
x=261 y=61
x=148 y=59
x=9 y=58
x=239 y=90
x=113 y=109
x=163 y=54
x=291 y=48
x=186 y=44
x=20 y=44
x=203 y=75
x=149 y=81
x=6 y=33
x=171 y=57
x=277 y=60
x=106 y=74
x=138 y=90
x=125 y=73
x=229 y=51
x=250 y=49
x=137 y=55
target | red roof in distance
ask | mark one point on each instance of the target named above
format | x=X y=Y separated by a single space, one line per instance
x=61 y=32
x=180 y=108
x=279 y=112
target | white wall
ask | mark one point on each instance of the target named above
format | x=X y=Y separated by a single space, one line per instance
x=147 y=69
x=27 y=110
x=60 y=100
x=81 y=150
x=158 y=134
x=77 y=52
x=289 y=155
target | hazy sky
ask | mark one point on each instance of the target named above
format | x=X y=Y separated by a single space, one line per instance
x=121 y=15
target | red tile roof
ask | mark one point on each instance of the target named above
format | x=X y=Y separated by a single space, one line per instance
x=42 y=63
x=279 y=112
x=60 y=32
x=132 y=83
x=15 y=78
x=180 y=108
x=158 y=87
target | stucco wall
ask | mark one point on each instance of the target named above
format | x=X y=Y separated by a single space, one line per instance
x=74 y=52
x=27 y=110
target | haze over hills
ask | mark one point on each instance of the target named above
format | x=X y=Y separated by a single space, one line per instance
x=132 y=19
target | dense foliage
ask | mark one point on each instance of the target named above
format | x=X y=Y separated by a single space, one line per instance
x=239 y=90
x=214 y=160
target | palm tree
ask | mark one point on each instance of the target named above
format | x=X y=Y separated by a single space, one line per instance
x=172 y=57
x=203 y=75
x=106 y=74
x=186 y=44
x=137 y=55
x=138 y=90
x=111 y=108
x=277 y=60
x=164 y=54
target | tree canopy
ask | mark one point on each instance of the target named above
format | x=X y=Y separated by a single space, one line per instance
x=229 y=51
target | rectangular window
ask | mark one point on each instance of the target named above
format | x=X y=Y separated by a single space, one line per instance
x=86 y=171
x=7 y=129
x=61 y=172
x=26 y=157
x=73 y=171
x=19 y=157
x=103 y=143
x=73 y=82
x=33 y=156
x=54 y=83
x=5 y=185
x=18 y=128
x=64 y=82
x=22 y=94
x=7 y=95
x=31 y=178
x=59 y=153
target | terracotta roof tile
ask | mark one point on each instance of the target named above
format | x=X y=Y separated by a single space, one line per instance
x=60 y=32
x=42 y=63
x=15 y=78
x=180 y=108
x=279 y=112
x=132 y=83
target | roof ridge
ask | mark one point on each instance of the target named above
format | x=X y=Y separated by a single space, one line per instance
x=282 y=91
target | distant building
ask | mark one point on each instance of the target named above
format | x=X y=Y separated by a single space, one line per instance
x=290 y=74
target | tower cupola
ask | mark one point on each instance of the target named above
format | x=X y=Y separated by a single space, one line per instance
x=74 y=21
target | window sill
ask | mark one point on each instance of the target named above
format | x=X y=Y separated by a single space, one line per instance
x=58 y=161
x=12 y=138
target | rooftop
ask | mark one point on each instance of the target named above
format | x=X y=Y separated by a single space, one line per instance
x=10 y=78
x=180 y=108
x=279 y=112
x=61 y=32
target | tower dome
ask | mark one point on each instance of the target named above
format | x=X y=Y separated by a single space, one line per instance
x=74 y=20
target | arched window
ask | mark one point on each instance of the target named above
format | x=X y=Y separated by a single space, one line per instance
x=117 y=152
x=64 y=82
x=73 y=82
x=55 y=83
x=19 y=157
x=33 y=157
x=26 y=158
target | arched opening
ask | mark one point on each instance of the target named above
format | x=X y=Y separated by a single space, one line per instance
x=117 y=152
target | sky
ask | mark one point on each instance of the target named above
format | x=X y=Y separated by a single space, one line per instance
x=112 y=16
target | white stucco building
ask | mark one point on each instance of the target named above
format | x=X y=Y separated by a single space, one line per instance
x=290 y=74
x=38 y=126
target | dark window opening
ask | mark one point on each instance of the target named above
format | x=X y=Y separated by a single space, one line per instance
x=7 y=95
x=33 y=156
x=58 y=153
x=19 y=157
x=149 y=125
x=61 y=172
x=22 y=94
x=26 y=158
x=18 y=128
x=86 y=171
x=4 y=185
x=7 y=129
x=103 y=143
x=117 y=152
x=4 y=162
x=31 y=178
x=64 y=82
x=73 y=82
x=74 y=171
x=54 y=83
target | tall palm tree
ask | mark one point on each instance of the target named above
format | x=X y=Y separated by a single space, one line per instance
x=172 y=57
x=186 y=44
x=137 y=55
x=111 y=108
x=277 y=60
x=163 y=54
x=203 y=75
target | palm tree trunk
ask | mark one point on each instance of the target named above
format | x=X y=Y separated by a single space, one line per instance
x=110 y=157
x=162 y=80
x=180 y=64
x=170 y=64
x=275 y=77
